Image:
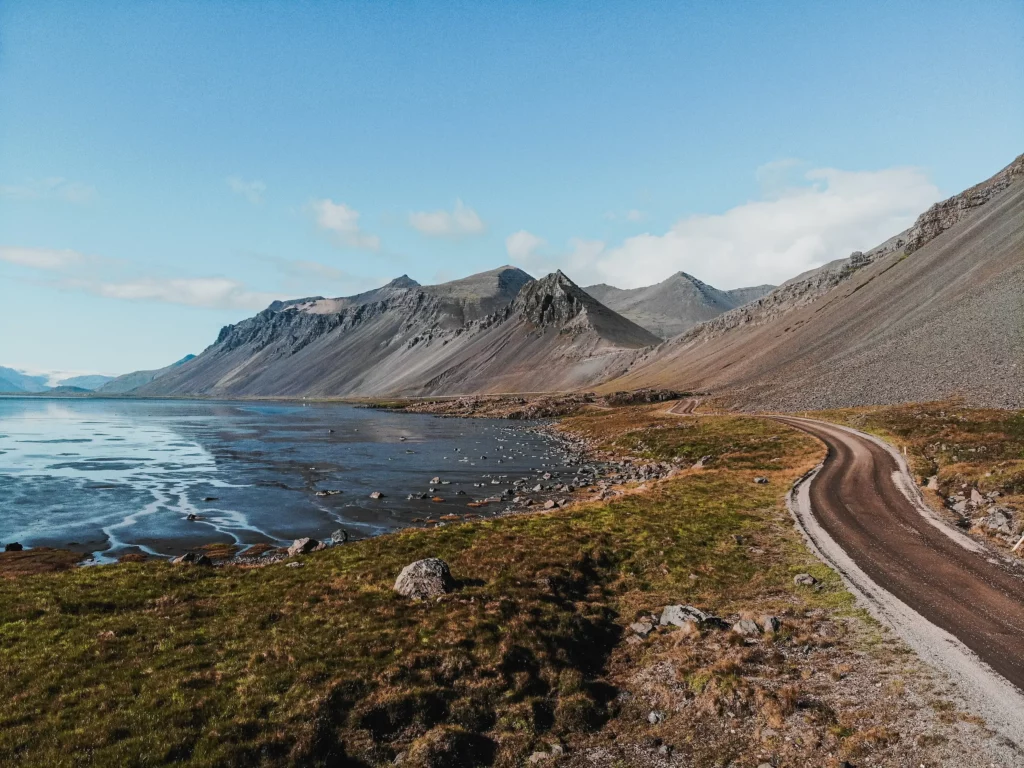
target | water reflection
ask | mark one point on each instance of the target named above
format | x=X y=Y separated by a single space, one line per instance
x=113 y=476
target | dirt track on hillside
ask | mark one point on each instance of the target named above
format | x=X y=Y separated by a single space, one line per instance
x=864 y=515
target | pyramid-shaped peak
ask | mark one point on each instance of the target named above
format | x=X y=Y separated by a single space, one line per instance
x=402 y=282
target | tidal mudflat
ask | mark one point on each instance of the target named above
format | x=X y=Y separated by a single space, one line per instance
x=113 y=476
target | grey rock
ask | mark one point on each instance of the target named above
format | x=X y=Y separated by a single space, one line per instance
x=642 y=628
x=746 y=628
x=376 y=495
x=683 y=615
x=655 y=716
x=425 y=578
x=191 y=558
x=770 y=623
x=761 y=480
x=340 y=536
x=302 y=546
x=804 y=580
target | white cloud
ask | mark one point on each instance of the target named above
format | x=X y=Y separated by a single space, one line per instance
x=461 y=221
x=831 y=215
x=51 y=188
x=634 y=215
x=343 y=224
x=50 y=259
x=523 y=245
x=210 y=292
x=252 y=191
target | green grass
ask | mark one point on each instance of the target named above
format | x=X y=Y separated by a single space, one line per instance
x=147 y=663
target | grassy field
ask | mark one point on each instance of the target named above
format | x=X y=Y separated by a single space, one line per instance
x=149 y=663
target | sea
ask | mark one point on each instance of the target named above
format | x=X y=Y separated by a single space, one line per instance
x=110 y=477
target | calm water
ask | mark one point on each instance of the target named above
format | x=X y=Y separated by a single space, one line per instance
x=117 y=476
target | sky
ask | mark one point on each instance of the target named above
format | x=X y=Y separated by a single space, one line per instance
x=167 y=168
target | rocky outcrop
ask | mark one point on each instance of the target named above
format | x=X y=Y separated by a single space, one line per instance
x=951 y=211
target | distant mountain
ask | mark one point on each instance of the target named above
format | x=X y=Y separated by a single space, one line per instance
x=935 y=312
x=675 y=305
x=8 y=387
x=498 y=331
x=23 y=382
x=88 y=382
x=129 y=381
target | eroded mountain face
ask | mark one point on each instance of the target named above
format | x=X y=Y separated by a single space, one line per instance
x=499 y=330
x=933 y=313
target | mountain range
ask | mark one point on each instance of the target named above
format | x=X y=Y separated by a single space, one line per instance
x=934 y=312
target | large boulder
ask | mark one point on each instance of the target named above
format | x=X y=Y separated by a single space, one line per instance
x=425 y=578
x=303 y=546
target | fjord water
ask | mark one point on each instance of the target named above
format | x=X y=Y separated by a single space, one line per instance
x=110 y=476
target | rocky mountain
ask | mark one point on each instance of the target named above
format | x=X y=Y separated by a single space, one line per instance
x=935 y=312
x=675 y=305
x=499 y=331
x=129 y=381
x=88 y=382
x=22 y=382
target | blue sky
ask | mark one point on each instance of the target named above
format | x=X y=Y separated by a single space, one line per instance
x=167 y=168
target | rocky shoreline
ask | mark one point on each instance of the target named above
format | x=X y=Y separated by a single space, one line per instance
x=589 y=474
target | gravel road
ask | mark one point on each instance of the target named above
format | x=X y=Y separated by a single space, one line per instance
x=958 y=604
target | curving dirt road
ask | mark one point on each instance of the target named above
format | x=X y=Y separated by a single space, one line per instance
x=933 y=583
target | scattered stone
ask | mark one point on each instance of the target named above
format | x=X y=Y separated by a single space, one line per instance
x=761 y=480
x=550 y=504
x=425 y=578
x=688 y=617
x=655 y=716
x=642 y=628
x=702 y=462
x=771 y=624
x=933 y=483
x=294 y=564
x=435 y=481
x=976 y=497
x=192 y=516
x=191 y=558
x=302 y=546
x=340 y=536
x=376 y=495
x=804 y=580
x=746 y=628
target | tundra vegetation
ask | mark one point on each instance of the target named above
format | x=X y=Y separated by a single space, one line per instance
x=531 y=656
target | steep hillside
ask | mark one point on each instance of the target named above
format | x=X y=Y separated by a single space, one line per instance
x=129 y=381
x=675 y=305
x=935 y=312
x=545 y=334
